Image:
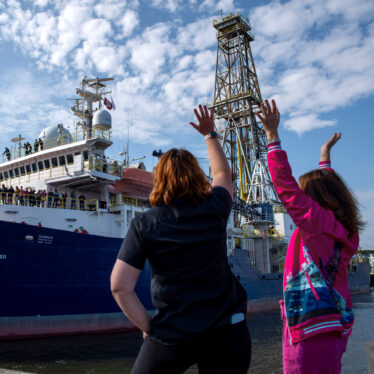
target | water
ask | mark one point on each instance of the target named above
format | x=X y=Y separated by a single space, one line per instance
x=115 y=353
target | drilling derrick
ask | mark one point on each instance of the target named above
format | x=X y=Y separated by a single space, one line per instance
x=237 y=97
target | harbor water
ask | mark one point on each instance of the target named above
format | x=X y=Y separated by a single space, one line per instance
x=115 y=353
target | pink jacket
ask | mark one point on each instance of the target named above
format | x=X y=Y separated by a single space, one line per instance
x=315 y=284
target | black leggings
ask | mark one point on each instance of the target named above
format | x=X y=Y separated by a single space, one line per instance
x=224 y=350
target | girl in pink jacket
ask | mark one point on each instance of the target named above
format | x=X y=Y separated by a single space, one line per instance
x=317 y=307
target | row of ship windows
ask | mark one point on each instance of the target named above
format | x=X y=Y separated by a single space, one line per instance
x=41 y=165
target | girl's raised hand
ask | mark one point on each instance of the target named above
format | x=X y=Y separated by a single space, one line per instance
x=326 y=148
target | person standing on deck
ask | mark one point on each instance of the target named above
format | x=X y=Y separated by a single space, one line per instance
x=7 y=153
x=317 y=308
x=73 y=201
x=82 y=200
x=4 y=191
x=36 y=145
x=10 y=195
x=200 y=304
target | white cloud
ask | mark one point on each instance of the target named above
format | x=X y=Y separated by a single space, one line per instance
x=304 y=123
x=4 y=18
x=113 y=9
x=150 y=51
x=128 y=22
x=198 y=35
x=306 y=61
x=313 y=56
x=41 y=3
x=96 y=31
x=171 y=5
x=30 y=109
x=224 y=5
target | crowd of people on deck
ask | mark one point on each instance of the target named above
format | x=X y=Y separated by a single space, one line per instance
x=30 y=197
x=38 y=146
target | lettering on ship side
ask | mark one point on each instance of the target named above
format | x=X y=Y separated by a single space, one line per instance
x=2 y=257
x=45 y=239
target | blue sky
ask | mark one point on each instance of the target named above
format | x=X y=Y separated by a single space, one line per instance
x=315 y=57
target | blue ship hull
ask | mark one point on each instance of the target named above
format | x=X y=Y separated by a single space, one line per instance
x=54 y=272
x=58 y=282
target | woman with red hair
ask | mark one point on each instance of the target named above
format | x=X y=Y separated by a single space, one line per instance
x=200 y=305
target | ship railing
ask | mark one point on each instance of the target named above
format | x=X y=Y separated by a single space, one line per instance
x=62 y=139
x=122 y=200
x=59 y=202
x=108 y=166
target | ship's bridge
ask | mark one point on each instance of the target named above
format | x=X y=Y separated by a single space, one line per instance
x=65 y=160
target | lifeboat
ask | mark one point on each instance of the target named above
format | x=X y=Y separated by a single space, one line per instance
x=136 y=183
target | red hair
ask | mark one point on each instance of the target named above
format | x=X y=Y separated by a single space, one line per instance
x=178 y=176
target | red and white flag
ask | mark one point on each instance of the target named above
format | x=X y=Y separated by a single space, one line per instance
x=108 y=104
x=111 y=100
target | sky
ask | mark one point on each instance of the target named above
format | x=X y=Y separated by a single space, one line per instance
x=314 y=57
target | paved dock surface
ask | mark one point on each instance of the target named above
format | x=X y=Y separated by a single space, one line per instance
x=6 y=371
x=116 y=353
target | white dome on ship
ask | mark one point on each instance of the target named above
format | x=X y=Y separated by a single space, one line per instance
x=102 y=120
x=55 y=135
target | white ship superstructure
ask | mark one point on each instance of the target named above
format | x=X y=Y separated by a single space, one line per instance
x=71 y=163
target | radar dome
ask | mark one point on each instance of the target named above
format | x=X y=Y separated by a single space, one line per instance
x=102 y=120
x=54 y=136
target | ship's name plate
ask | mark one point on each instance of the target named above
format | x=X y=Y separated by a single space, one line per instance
x=45 y=239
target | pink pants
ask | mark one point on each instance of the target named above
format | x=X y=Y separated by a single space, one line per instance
x=320 y=354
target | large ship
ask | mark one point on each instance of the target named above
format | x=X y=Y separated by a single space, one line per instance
x=64 y=210
x=65 y=207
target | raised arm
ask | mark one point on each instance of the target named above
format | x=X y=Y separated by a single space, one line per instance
x=325 y=161
x=219 y=166
x=305 y=212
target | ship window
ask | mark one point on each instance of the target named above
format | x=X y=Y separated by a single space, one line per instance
x=46 y=164
x=69 y=158
x=28 y=169
x=61 y=160
x=34 y=168
x=85 y=155
x=6 y=175
x=1 y=176
x=22 y=170
x=16 y=172
x=54 y=162
x=10 y=173
x=40 y=165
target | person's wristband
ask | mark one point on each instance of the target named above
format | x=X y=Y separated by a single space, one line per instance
x=274 y=141
x=211 y=134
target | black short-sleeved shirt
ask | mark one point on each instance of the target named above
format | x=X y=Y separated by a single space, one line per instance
x=192 y=287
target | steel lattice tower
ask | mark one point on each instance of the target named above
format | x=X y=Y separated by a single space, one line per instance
x=237 y=97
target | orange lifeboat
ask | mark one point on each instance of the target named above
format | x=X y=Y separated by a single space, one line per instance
x=136 y=183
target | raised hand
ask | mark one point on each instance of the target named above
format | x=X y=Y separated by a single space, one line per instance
x=205 y=120
x=269 y=116
x=326 y=147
